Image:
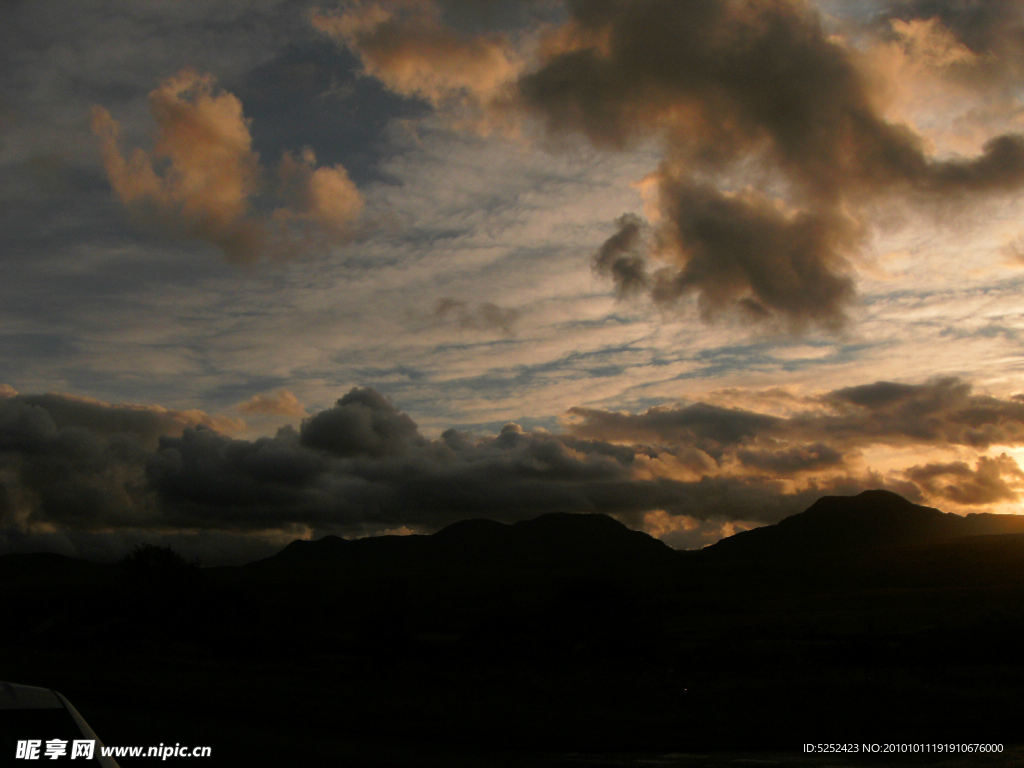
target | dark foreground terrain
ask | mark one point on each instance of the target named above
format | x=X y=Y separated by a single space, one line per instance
x=562 y=641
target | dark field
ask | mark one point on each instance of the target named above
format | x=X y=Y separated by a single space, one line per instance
x=564 y=641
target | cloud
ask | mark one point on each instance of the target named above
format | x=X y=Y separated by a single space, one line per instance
x=755 y=90
x=710 y=428
x=741 y=252
x=324 y=196
x=941 y=412
x=483 y=316
x=790 y=460
x=362 y=467
x=957 y=482
x=413 y=52
x=211 y=170
x=144 y=422
x=78 y=469
x=280 y=403
x=363 y=422
x=77 y=463
x=202 y=179
x=622 y=257
x=981 y=40
x=741 y=95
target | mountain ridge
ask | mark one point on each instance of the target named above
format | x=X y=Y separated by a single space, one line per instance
x=871 y=521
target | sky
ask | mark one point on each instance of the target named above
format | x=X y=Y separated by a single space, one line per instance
x=275 y=270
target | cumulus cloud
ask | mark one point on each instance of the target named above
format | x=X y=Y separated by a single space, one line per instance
x=363 y=422
x=202 y=179
x=362 y=467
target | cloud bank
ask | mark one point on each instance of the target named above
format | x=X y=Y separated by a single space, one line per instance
x=87 y=469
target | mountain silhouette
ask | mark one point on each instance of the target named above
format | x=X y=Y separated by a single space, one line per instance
x=566 y=634
x=870 y=522
x=577 y=543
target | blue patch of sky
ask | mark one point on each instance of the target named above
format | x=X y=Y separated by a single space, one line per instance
x=726 y=360
x=988 y=331
x=18 y=345
x=371 y=376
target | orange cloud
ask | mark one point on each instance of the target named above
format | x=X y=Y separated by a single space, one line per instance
x=280 y=403
x=412 y=52
x=323 y=196
x=202 y=177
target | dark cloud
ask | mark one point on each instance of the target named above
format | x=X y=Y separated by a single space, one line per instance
x=144 y=422
x=78 y=462
x=622 y=257
x=1000 y=166
x=743 y=95
x=363 y=422
x=790 y=460
x=203 y=479
x=742 y=252
x=748 y=91
x=710 y=428
x=719 y=81
x=207 y=480
x=943 y=411
x=940 y=412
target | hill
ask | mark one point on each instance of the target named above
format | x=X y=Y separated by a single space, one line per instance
x=868 y=523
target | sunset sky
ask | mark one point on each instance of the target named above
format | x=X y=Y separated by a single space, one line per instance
x=280 y=269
